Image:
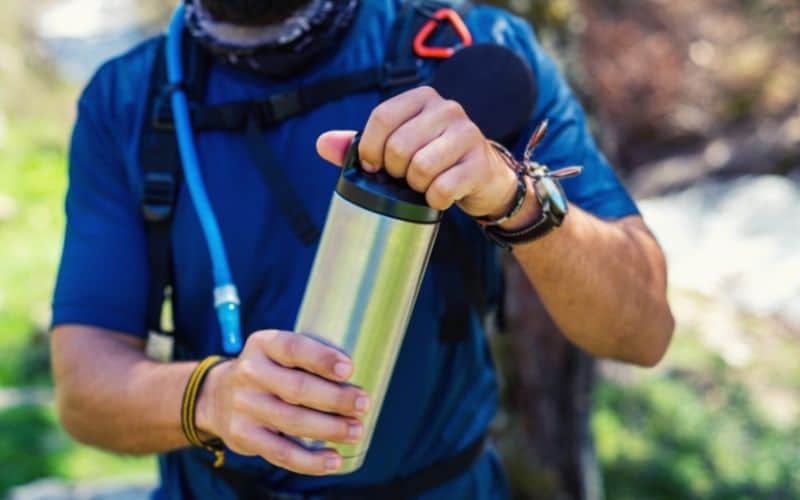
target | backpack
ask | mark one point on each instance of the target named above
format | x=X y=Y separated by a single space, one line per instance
x=474 y=280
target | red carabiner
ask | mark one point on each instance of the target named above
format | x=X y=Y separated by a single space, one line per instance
x=444 y=14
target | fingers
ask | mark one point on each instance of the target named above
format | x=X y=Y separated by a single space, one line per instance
x=436 y=157
x=299 y=387
x=294 y=350
x=332 y=146
x=283 y=452
x=452 y=185
x=387 y=118
x=416 y=133
x=292 y=420
x=288 y=383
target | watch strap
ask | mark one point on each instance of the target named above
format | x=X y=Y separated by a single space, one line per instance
x=519 y=200
x=533 y=231
x=545 y=184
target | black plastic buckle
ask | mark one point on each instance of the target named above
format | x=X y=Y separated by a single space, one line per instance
x=401 y=76
x=285 y=105
x=162 y=114
x=162 y=107
x=158 y=196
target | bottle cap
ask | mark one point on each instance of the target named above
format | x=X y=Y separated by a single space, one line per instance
x=381 y=193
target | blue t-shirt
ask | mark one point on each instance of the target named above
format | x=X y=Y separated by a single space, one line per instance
x=443 y=394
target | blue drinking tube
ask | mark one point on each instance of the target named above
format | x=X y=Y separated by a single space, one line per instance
x=226 y=298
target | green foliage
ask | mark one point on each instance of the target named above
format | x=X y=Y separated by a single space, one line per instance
x=32 y=183
x=32 y=176
x=33 y=446
x=691 y=434
x=29 y=446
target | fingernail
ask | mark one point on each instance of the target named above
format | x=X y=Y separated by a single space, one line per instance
x=342 y=369
x=333 y=463
x=354 y=431
x=369 y=167
x=362 y=403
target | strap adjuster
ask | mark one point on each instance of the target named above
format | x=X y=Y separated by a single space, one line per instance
x=158 y=196
x=284 y=105
x=162 y=107
x=400 y=76
x=162 y=114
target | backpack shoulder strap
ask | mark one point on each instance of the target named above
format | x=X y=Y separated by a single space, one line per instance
x=461 y=277
x=160 y=163
x=401 y=70
x=403 y=67
x=158 y=151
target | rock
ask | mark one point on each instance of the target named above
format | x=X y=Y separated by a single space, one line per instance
x=44 y=489
x=13 y=397
x=737 y=240
x=55 y=489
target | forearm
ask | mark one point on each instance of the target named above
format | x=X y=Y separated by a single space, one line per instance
x=111 y=396
x=604 y=284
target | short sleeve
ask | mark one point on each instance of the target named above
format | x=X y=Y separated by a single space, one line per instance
x=102 y=279
x=568 y=142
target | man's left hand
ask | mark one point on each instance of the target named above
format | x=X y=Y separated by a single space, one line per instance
x=432 y=143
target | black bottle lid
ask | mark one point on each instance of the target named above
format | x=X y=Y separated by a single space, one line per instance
x=381 y=193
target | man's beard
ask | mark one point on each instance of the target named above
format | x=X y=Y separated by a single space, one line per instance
x=252 y=12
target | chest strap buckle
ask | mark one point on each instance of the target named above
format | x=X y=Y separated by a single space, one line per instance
x=158 y=196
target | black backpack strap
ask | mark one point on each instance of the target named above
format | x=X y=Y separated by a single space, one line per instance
x=460 y=276
x=278 y=183
x=401 y=71
x=160 y=161
x=404 y=69
x=249 y=485
x=467 y=279
x=279 y=107
x=160 y=158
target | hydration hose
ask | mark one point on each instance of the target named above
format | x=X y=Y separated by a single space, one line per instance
x=226 y=297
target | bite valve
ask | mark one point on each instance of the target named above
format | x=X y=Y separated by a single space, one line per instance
x=226 y=302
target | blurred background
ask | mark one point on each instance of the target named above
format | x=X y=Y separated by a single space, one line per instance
x=698 y=105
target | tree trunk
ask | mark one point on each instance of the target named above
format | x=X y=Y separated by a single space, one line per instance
x=543 y=431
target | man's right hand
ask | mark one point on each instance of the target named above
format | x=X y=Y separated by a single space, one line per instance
x=283 y=383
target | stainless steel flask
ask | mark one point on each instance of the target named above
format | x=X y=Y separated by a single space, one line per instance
x=371 y=259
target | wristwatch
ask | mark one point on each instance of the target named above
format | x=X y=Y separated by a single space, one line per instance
x=547 y=187
x=552 y=200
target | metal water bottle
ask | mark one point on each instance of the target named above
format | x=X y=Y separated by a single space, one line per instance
x=371 y=259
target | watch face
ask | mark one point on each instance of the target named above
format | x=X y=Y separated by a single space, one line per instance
x=550 y=190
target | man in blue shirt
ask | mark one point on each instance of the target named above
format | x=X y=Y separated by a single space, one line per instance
x=601 y=275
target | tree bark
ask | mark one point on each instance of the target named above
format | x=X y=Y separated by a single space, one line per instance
x=544 y=433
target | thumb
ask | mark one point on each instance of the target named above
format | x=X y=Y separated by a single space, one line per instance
x=333 y=145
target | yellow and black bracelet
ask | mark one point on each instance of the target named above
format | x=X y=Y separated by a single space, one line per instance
x=189 y=407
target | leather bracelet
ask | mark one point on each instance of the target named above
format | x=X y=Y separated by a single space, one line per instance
x=189 y=409
x=507 y=239
x=552 y=200
x=522 y=188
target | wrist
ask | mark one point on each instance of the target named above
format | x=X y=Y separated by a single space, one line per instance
x=530 y=211
x=510 y=182
x=208 y=402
